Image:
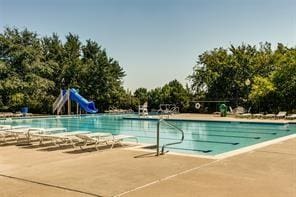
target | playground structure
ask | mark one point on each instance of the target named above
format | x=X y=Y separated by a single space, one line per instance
x=73 y=95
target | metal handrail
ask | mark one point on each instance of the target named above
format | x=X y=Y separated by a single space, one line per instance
x=169 y=144
x=63 y=101
x=56 y=103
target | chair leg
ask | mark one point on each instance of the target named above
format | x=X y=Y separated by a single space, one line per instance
x=55 y=142
x=28 y=138
x=72 y=143
x=96 y=145
x=113 y=143
x=85 y=143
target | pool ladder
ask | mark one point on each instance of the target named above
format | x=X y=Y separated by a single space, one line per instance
x=168 y=144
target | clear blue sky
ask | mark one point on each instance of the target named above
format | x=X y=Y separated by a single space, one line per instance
x=157 y=40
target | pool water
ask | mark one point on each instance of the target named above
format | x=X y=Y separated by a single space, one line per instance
x=201 y=137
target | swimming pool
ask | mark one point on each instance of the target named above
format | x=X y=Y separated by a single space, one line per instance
x=201 y=137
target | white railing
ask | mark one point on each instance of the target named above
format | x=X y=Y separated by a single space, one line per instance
x=63 y=101
x=59 y=102
x=56 y=103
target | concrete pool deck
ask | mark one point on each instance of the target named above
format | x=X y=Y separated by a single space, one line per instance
x=48 y=171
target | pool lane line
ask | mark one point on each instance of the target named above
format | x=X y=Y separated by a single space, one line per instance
x=205 y=141
x=153 y=147
x=49 y=185
x=200 y=134
x=233 y=136
x=190 y=149
x=196 y=134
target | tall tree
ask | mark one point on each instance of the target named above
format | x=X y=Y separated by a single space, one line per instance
x=247 y=75
x=25 y=74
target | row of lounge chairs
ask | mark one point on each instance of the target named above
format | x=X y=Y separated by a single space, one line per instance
x=12 y=115
x=60 y=136
x=280 y=115
x=114 y=110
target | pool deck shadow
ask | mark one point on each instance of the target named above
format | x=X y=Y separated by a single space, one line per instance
x=268 y=171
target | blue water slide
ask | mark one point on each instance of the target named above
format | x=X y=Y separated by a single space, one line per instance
x=88 y=106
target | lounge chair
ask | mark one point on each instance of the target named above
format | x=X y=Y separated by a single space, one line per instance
x=99 y=138
x=37 y=132
x=281 y=114
x=3 y=135
x=269 y=116
x=245 y=115
x=4 y=127
x=230 y=112
x=291 y=117
x=259 y=115
x=7 y=131
x=28 y=132
x=63 y=137
x=117 y=139
x=96 y=138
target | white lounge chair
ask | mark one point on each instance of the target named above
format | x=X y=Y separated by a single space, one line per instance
x=3 y=133
x=63 y=137
x=37 y=132
x=291 y=117
x=28 y=132
x=259 y=115
x=269 y=116
x=117 y=139
x=3 y=127
x=7 y=131
x=246 y=115
x=281 y=114
x=96 y=138
x=3 y=136
x=99 y=138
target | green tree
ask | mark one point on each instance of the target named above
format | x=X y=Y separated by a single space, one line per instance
x=101 y=76
x=34 y=69
x=230 y=74
x=24 y=81
x=142 y=95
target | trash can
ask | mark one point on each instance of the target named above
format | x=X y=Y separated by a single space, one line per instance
x=24 y=110
x=223 y=110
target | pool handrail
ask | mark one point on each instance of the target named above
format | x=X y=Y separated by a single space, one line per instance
x=168 y=144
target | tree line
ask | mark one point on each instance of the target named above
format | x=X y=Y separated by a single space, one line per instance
x=258 y=78
x=33 y=69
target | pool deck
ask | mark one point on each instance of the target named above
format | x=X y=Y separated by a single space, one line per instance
x=48 y=171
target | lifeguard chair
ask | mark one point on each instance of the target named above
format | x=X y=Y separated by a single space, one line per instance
x=143 y=109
